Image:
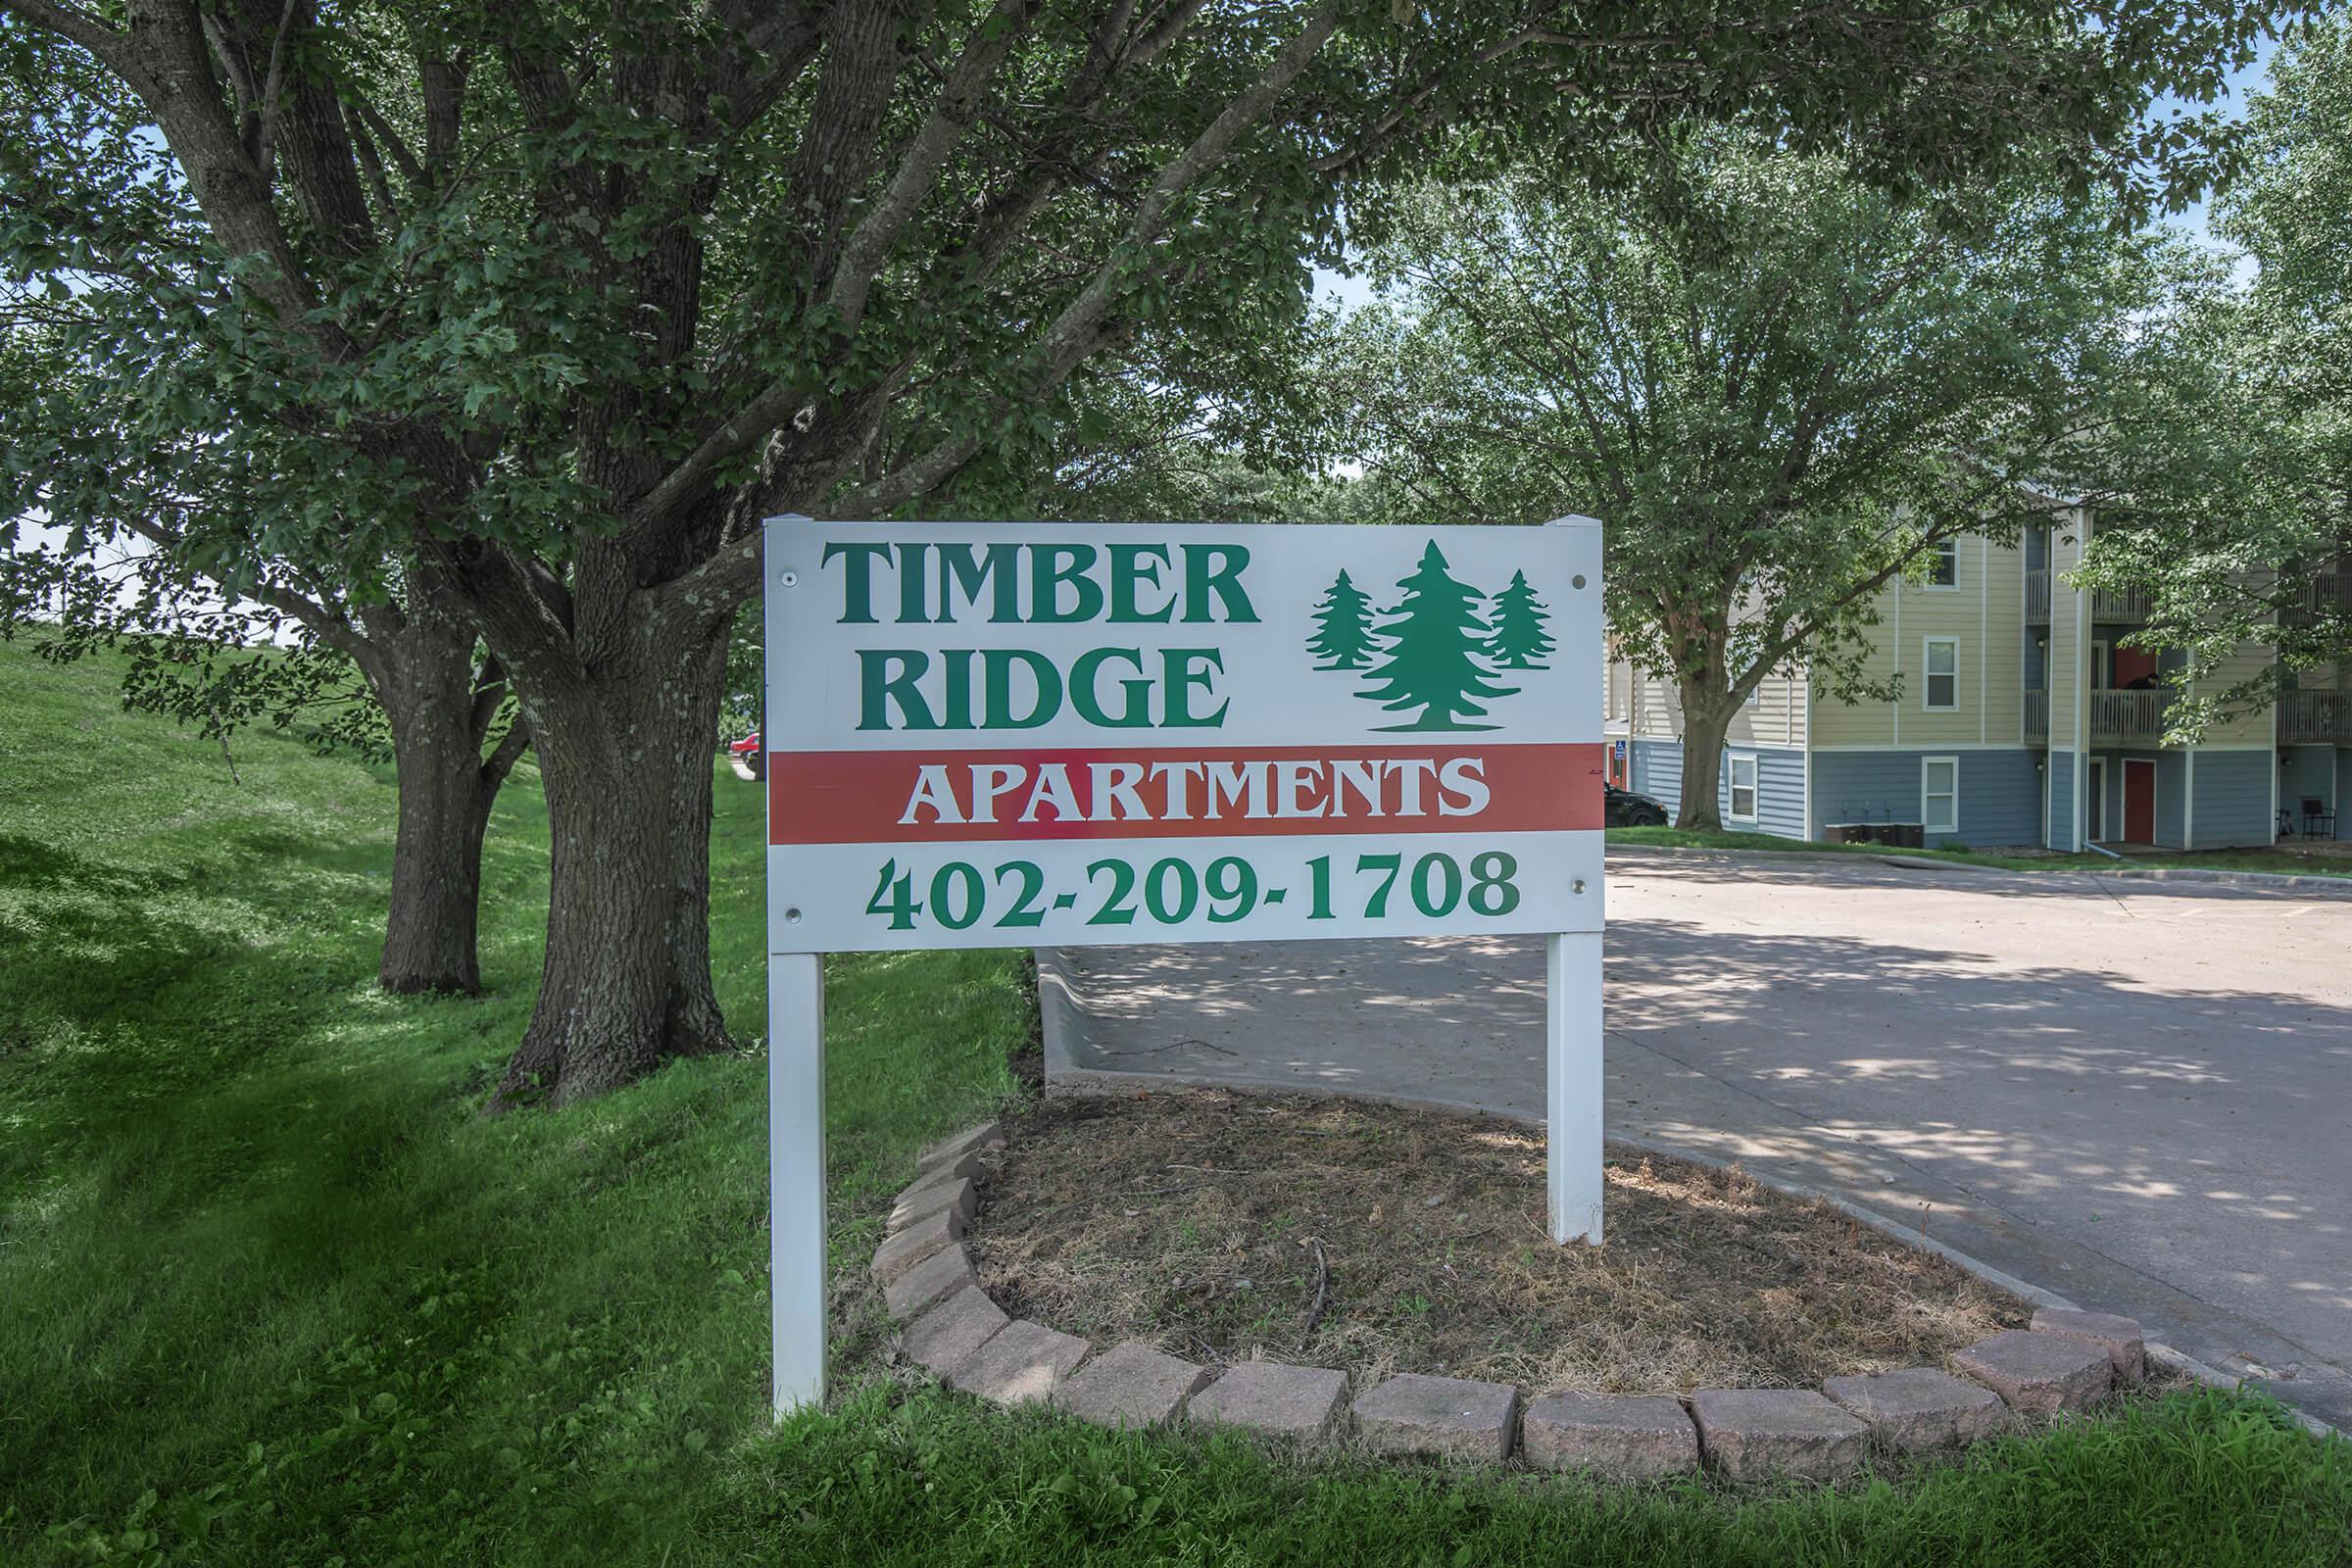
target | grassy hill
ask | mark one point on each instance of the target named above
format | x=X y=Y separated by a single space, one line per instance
x=274 y=1291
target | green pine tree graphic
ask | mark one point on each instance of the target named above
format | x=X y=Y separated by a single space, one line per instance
x=1520 y=640
x=1343 y=627
x=1435 y=637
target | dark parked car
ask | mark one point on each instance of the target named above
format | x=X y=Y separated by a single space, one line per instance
x=1624 y=809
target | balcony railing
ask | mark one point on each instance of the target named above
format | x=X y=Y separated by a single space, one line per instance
x=2315 y=717
x=2128 y=606
x=2123 y=605
x=2127 y=716
x=2037 y=718
x=2322 y=593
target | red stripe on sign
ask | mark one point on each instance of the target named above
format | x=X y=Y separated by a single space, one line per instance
x=953 y=796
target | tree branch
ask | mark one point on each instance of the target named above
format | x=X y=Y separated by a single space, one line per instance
x=70 y=21
x=950 y=117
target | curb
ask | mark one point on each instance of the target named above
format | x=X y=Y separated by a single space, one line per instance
x=2302 y=884
x=951 y=1328
x=1910 y=1236
x=2324 y=887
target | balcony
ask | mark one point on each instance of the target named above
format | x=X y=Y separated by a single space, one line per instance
x=2321 y=595
x=2123 y=606
x=2128 y=718
x=2315 y=717
x=2037 y=718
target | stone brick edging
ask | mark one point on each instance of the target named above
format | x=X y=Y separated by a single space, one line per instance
x=950 y=1327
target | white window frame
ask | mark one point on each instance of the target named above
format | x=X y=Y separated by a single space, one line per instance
x=1948 y=549
x=1927 y=764
x=1927 y=675
x=1755 y=788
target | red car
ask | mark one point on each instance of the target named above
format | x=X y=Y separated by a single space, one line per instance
x=751 y=753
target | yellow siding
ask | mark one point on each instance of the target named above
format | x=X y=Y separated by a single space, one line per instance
x=1657 y=707
x=1617 y=694
x=1955 y=612
x=2247 y=729
x=1778 y=717
x=1648 y=706
x=1837 y=723
x=2001 y=661
x=2070 y=644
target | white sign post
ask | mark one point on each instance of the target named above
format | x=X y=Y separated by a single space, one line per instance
x=1057 y=734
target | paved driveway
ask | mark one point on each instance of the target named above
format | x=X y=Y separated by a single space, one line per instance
x=2132 y=1093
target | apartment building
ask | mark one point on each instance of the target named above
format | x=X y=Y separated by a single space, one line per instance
x=2023 y=719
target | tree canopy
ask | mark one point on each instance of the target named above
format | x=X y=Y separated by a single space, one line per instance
x=1778 y=386
x=559 y=301
x=2230 y=469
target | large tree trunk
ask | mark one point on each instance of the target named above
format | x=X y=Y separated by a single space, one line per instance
x=1706 y=717
x=441 y=709
x=429 y=928
x=626 y=755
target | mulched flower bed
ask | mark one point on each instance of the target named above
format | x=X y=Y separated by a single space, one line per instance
x=1220 y=1225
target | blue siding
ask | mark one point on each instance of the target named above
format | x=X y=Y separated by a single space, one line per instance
x=2233 y=798
x=2310 y=770
x=1780 y=791
x=2000 y=799
x=2172 y=799
x=2061 y=782
x=1655 y=769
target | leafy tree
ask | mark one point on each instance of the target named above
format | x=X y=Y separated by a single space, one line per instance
x=566 y=299
x=1778 y=386
x=1435 y=642
x=1520 y=640
x=2230 y=467
x=1342 y=626
x=373 y=655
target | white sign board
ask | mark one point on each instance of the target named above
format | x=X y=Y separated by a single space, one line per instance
x=1051 y=734
x=986 y=735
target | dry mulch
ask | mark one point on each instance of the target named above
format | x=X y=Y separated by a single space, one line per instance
x=1192 y=1220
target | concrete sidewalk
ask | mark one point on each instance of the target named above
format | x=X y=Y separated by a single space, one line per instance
x=2132 y=1092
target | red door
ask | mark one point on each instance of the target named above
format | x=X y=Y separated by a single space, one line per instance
x=2139 y=801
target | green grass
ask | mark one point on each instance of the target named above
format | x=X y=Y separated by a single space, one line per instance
x=272 y=1291
x=2286 y=861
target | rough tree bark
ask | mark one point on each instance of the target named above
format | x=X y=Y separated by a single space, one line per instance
x=626 y=750
x=1707 y=713
x=441 y=710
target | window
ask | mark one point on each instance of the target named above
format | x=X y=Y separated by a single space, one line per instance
x=1944 y=564
x=1939 y=794
x=1744 y=789
x=1943 y=674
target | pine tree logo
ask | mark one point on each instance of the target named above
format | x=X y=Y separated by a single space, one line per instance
x=1437 y=643
x=1520 y=640
x=1343 y=637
